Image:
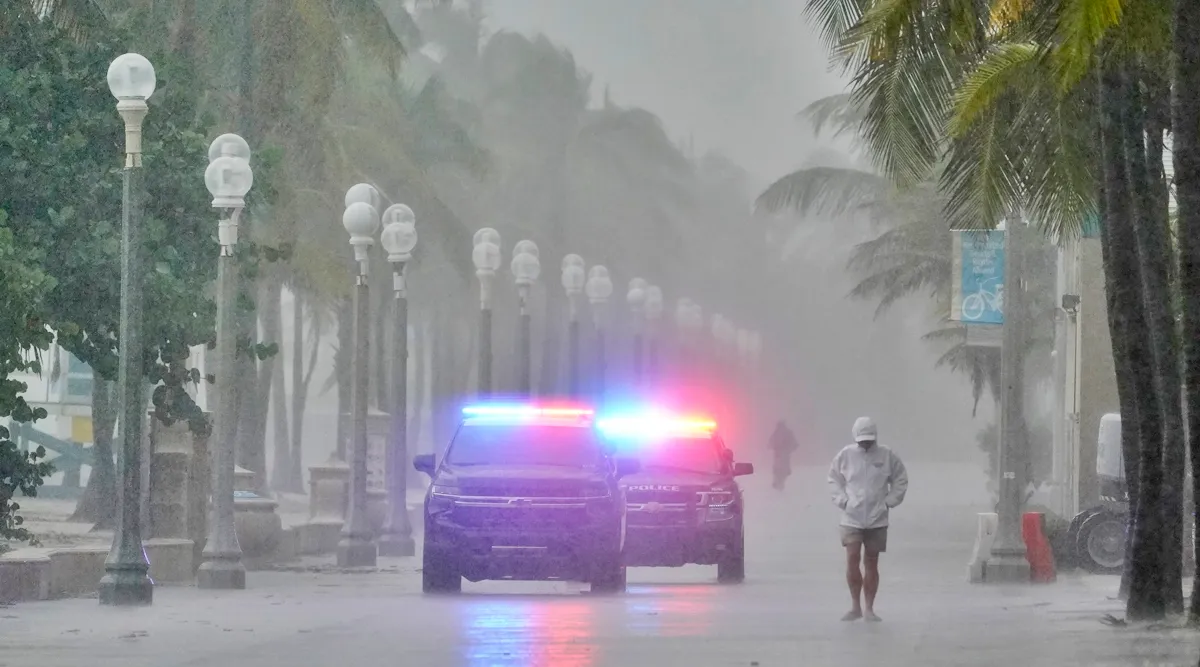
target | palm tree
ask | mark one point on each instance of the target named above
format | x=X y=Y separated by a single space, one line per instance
x=1016 y=93
x=1186 y=152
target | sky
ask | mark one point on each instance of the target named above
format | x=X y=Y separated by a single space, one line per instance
x=732 y=73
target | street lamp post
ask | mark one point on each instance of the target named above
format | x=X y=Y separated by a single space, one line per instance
x=599 y=289
x=228 y=178
x=126 y=581
x=399 y=238
x=486 y=256
x=526 y=267
x=636 y=298
x=1008 y=562
x=573 y=279
x=361 y=220
x=654 y=311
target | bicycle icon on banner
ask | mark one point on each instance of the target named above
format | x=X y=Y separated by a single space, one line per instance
x=976 y=306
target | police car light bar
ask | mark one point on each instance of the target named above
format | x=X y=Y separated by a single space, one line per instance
x=525 y=412
x=650 y=426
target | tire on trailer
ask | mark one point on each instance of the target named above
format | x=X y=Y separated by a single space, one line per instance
x=1100 y=545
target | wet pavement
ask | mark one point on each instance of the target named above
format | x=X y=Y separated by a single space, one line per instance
x=786 y=614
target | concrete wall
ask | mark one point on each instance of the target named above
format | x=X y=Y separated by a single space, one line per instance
x=1097 y=377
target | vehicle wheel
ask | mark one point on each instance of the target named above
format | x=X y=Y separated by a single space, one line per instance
x=731 y=569
x=438 y=574
x=1071 y=557
x=1101 y=543
x=609 y=576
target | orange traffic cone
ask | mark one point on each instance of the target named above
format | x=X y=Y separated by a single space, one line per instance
x=1037 y=548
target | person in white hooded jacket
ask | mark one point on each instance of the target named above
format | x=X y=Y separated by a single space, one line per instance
x=867 y=480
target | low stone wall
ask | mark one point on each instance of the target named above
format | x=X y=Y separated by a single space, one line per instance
x=25 y=575
x=49 y=574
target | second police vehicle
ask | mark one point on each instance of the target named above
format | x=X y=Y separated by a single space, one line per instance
x=525 y=492
x=685 y=505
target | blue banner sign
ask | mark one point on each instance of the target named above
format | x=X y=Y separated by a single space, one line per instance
x=978 y=296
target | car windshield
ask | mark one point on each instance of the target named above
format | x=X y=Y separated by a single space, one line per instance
x=685 y=454
x=488 y=444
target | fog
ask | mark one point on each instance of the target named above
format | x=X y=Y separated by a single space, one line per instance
x=731 y=77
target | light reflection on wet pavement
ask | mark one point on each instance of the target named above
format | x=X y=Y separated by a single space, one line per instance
x=565 y=627
x=525 y=633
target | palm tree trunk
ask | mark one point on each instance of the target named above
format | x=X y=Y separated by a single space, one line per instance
x=1186 y=152
x=442 y=353
x=275 y=383
x=253 y=393
x=295 y=481
x=343 y=372
x=1145 y=587
x=98 y=504
x=382 y=344
x=419 y=393
x=183 y=32
x=1154 y=224
x=1116 y=261
x=1154 y=255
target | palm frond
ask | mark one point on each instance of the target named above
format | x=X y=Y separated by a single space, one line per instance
x=842 y=113
x=372 y=31
x=823 y=191
x=835 y=17
x=981 y=365
x=899 y=280
x=907 y=103
x=996 y=73
x=81 y=19
x=1082 y=25
x=981 y=179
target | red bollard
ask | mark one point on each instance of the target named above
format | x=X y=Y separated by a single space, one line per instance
x=1037 y=548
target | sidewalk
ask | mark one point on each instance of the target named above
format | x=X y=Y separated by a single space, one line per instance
x=48 y=519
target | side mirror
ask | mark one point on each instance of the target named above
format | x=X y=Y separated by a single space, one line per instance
x=425 y=463
x=627 y=466
x=742 y=469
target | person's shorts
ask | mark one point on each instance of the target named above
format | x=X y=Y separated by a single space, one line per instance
x=872 y=539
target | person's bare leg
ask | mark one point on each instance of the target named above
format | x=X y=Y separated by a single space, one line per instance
x=854 y=579
x=870 y=583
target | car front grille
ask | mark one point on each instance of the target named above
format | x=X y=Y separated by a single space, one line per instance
x=659 y=514
x=520 y=514
x=674 y=497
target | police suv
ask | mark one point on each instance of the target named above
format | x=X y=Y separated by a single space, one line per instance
x=685 y=505
x=525 y=493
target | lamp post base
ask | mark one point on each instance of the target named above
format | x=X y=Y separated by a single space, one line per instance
x=126 y=588
x=397 y=546
x=1008 y=567
x=356 y=552
x=221 y=575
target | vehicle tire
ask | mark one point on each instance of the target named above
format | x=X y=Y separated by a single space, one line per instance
x=609 y=576
x=1100 y=546
x=439 y=574
x=731 y=569
x=1072 y=557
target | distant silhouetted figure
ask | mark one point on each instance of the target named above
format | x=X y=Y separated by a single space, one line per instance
x=782 y=443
